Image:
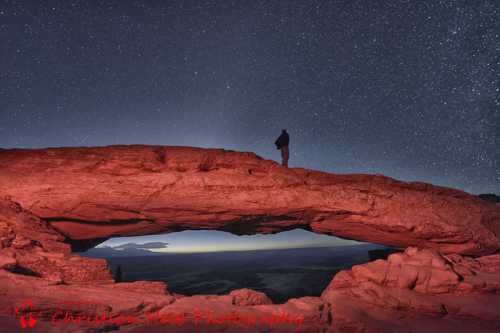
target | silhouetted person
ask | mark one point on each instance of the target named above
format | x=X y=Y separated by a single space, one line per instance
x=282 y=143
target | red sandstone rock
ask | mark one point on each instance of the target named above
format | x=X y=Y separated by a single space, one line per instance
x=30 y=246
x=417 y=285
x=7 y=261
x=371 y=298
x=91 y=194
x=245 y=297
x=51 y=303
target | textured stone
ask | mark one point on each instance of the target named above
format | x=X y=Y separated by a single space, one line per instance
x=32 y=247
x=245 y=297
x=417 y=285
x=81 y=196
x=90 y=194
x=7 y=261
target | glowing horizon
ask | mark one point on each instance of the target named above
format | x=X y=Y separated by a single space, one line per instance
x=199 y=241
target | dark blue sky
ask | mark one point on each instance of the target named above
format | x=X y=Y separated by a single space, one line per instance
x=409 y=89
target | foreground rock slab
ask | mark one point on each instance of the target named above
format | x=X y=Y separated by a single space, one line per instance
x=149 y=307
x=418 y=291
x=91 y=194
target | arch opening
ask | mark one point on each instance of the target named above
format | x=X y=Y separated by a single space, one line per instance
x=288 y=264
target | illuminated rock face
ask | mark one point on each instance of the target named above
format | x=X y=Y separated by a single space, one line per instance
x=29 y=246
x=91 y=194
x=418 y=284
x=415 y=291
x=80 y=196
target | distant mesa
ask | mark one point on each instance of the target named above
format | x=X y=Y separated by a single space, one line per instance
x=490 y=197
x=144 y=246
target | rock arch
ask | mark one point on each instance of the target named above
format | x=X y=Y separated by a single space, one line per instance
x=56 y=199
x=90 y=194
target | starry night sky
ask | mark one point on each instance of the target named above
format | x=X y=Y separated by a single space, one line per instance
x=409 y=89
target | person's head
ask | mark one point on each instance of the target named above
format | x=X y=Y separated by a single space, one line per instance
x=283 y=130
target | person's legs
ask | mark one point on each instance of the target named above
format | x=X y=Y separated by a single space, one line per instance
x=284 y=156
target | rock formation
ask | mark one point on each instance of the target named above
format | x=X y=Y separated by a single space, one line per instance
x=53 y=201
x=423 y=289
x=91 y=194
x=29 y=246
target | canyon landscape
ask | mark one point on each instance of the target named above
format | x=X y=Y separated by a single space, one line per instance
x=55 y=202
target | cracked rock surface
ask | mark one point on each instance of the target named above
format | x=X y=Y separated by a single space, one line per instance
x=91 y=194
x=53 y=201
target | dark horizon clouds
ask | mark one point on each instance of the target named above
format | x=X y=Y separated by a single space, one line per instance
x=409 y=89
x=143 y=246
